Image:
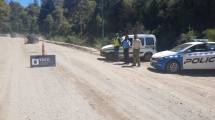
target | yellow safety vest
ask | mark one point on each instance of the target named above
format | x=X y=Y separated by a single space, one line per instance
x=116 y=42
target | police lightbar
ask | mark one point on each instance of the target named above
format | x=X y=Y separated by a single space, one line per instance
x=200 y=40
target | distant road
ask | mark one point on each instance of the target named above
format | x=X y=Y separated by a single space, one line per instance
x=83 y=87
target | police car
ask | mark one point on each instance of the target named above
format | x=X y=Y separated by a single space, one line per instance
x=191 y=55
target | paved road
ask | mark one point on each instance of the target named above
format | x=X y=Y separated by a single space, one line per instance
x=85 y=87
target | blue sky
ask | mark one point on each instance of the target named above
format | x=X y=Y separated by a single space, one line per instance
x=24 y=2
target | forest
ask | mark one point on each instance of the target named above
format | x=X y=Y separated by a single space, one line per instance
x=93 y=22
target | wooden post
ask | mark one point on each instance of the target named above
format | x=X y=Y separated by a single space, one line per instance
x=43 y=48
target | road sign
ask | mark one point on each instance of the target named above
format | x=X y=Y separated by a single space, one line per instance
x=43 y=61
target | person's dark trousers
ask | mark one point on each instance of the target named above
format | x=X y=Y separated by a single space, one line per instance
x=126 y=55
x=116 y=53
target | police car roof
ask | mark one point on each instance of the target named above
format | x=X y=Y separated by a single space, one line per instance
x=196 y=43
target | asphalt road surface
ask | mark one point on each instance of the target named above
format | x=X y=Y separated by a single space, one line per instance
x=83 y=86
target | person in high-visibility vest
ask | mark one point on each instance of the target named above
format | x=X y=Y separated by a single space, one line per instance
x=116 y=43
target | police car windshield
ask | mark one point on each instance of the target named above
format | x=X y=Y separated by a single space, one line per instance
x=180 y=47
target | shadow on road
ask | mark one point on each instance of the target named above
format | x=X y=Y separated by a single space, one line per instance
x=111 y=61
x=198 y=73
x=127 y=66
x=193 y=73
x=156 y=71
x=105 y=60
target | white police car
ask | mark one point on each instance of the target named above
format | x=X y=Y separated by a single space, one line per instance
x=192 y=55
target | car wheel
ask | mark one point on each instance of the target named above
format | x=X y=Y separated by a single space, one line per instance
x=172 y=67
x=147 y=57
x=110 y=56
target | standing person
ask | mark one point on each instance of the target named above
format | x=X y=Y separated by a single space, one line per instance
x=136 y=50
x=116 y=43
x=126 y=45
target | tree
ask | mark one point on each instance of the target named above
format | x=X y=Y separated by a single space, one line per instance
x=210 y=34
x=47 y=7
x=33 y=11
x=16 y=17
x=4 y=17
x=80 y=16
x=169 y=20
x=49 y=22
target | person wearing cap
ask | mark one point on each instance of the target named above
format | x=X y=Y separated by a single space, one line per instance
x=136 y=50
x=126 y=45
x=116 y=43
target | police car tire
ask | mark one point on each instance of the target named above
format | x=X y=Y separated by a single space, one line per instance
x=172 y=64
x=147 y=56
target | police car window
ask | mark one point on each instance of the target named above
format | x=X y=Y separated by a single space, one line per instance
x=199 y=48
x=180 y=47
x=150 y=41
x=211 y=47
x=142 y=40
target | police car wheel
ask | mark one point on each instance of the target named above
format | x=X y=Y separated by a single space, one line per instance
x=172 y=67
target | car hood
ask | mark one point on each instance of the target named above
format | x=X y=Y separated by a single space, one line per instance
x=164 y=54
x=108 y=47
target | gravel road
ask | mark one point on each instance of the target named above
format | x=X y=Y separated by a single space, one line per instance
x=84 y=86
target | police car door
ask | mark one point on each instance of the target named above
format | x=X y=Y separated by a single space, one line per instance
x=198 y=57
x=211 y=56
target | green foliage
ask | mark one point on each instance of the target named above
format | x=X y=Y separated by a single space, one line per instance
x=74 y=40
x=49 y=25
x=2 y=9
x=187 y=37
x=210 y=34
x=98 y=44
x=169 y=20
x=32 y=12
x=4 y=16
x=16 y=17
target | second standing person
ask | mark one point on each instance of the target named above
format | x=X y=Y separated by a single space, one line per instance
x=126 y=45
x=136 y=50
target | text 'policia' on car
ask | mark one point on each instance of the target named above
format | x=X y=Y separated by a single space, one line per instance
x=200 y=60
x=191 y=55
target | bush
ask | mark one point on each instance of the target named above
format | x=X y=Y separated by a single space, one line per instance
x=57 y=38
x=210 y=34
x=74 y=40
x=99 y=43
x=186 y=37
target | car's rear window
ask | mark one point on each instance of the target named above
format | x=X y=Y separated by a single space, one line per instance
x=150 y=41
